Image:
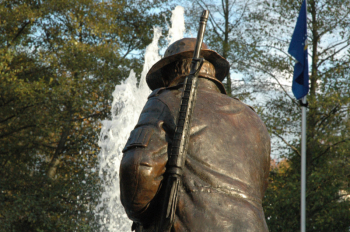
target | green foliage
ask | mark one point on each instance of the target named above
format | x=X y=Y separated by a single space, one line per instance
x=327 y=205
x=225 y=34
x=59 y=63
x=328 y=125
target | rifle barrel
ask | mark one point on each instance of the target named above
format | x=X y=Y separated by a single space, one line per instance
x=177 y=155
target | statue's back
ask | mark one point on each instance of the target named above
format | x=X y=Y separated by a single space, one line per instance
x=226 y=167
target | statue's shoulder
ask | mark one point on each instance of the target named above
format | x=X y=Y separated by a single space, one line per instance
x=251 y=107
x=234 y=101
x=164 y=91
x=169 y=96
x=156 y=92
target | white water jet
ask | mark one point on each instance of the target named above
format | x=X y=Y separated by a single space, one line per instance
x=128 y=101
x=177 y=29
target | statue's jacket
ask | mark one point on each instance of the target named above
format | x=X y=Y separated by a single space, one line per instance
x=226 y=169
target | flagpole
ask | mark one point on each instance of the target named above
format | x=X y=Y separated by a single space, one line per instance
x=303 y=164
x=300 y=87
x=303 y=158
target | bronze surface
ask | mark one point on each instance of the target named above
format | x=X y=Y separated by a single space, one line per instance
x=183 y=49
x=226 y=169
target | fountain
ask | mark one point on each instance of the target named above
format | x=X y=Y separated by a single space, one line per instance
x=128 y=101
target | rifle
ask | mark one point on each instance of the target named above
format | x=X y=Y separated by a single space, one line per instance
x=177 y=156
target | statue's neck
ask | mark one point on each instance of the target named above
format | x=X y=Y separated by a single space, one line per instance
x=203 y=84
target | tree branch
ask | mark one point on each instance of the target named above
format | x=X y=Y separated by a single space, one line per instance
x=279 y=83
x=334 y=45
x=323 y=60
x=288 y=144
x=329 y=147
x=19 y=32
x=326 y=116
x=19 y=129
x=55 y=161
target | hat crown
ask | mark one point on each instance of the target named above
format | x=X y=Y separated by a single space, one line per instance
x=183 y=49
x=182 y=45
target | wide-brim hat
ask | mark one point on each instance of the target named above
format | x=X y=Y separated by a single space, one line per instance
x=183 y=49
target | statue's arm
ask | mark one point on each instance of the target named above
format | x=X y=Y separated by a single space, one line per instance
x=144 y=160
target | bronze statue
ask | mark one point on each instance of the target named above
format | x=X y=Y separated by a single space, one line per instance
x=227 y=163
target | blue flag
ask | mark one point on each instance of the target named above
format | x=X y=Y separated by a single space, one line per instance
x=298 y=49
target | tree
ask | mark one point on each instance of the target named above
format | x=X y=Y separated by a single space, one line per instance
x=327 y=122
x=59 y=62
x=225 y=34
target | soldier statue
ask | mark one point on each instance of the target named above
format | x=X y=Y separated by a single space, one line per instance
x=228 y=158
